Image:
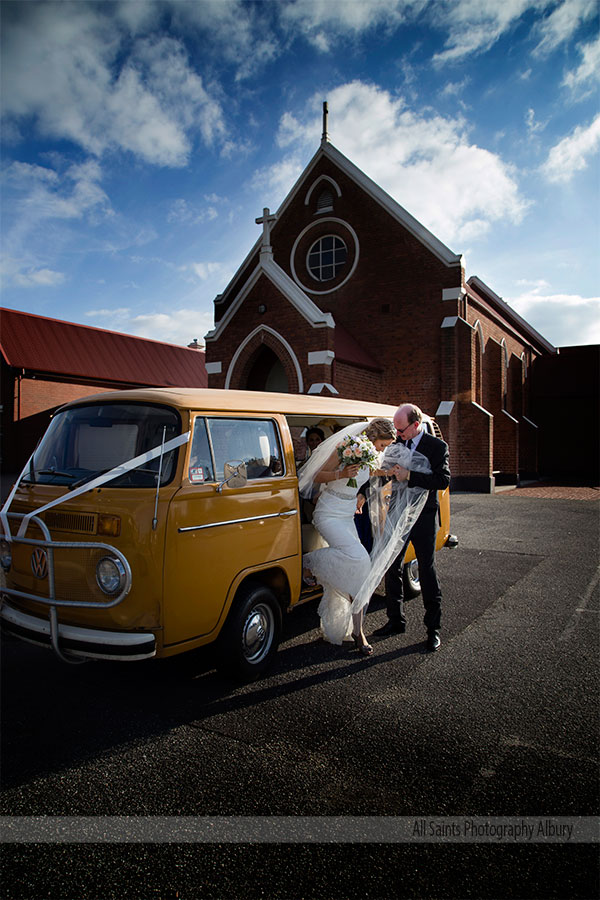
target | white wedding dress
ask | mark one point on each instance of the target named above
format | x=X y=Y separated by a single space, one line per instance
x=343 y=567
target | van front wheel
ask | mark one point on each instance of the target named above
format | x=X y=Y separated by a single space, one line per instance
x=251 y=635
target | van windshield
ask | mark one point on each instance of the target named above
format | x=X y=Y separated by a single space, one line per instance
x=85 y=441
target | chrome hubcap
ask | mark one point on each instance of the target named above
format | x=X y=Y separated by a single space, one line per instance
x=258 y=633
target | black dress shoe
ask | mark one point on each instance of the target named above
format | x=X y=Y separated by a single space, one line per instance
x=433 y=641
x=390 y=628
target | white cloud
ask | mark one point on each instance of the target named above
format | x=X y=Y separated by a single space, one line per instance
x=36 y=195
x=474 y=25
x=562 y=23
x=180 y=326
x=454 y=88
x=275 y=181
x=38 y=278
x=532 y=125
x=425 y=162
x=181 y=210
x=572 y=153
x=241 y=34
x=205 y=270
x=589 y=69
x=122 y=312
x=324 y=22
x=72 y=68
x=44 y=194
x=563 y=319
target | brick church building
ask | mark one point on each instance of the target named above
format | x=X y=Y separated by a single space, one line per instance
x=345 y=292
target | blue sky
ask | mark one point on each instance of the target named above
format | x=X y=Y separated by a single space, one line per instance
x=142 y=139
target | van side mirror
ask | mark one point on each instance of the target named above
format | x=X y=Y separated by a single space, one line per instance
x=234 y=474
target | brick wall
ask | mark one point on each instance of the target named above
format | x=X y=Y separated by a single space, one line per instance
x=28 y=405
x=392 y=305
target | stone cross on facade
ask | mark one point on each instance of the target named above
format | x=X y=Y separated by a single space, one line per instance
x=266 y=220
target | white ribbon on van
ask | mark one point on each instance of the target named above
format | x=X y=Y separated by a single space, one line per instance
x=121 y=469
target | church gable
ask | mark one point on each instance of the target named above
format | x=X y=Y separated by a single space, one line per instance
x=271 y=335
x=334 y=213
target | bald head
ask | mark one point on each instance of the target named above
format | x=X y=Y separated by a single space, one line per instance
x=407 y=414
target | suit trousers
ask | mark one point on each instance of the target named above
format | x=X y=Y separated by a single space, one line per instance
x=423 y=536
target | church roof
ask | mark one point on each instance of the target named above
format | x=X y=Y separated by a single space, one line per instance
x=508 y=314
x=64 y=349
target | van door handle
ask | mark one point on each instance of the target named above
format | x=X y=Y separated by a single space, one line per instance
x=286 y=513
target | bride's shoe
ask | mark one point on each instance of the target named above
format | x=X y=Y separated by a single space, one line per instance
x=308 y=578
x=363 y=648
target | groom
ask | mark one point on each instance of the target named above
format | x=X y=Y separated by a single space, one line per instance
x=408 y=420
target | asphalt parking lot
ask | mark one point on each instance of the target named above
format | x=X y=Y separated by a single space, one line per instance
x=502 y=721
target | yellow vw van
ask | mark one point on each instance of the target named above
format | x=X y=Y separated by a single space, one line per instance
x=150 y=522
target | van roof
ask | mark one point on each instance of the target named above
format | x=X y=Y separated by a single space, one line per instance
x=244 y=401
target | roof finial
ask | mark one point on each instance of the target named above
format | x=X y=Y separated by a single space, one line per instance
x=325 y=135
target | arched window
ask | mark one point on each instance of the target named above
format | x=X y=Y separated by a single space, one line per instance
x=327 y=257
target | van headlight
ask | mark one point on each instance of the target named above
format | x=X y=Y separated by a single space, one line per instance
x=5 y=555
x=110 y=575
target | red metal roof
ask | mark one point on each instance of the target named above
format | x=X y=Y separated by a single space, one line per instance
x=53 y=347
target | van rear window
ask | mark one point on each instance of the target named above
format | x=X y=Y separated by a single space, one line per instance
x=85 y=441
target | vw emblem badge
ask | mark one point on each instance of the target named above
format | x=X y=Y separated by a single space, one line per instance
x=39 y=563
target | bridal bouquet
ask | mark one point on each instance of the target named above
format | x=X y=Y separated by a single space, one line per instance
x=357 y=451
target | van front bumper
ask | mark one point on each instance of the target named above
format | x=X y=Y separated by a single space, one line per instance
x=86 y=643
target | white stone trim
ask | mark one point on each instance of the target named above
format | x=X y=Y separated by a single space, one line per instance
x=213 y=368
x=281 y=340
x=318 y=181
x=305 y=306
x=354 y=264
x=478 y=327
x=529 y=422
x=445 y=408
x=523 y=359
x=318 y=386
x=482 y=408
x=512 y=418
x=321 y=357
x=455 y=293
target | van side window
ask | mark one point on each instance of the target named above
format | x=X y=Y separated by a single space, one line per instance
x=254 y=441
x=200 y=467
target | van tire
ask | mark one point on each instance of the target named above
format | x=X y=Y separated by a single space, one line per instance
x=251 y=634
x=410 y=575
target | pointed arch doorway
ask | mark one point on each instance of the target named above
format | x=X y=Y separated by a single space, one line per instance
x=267 y=373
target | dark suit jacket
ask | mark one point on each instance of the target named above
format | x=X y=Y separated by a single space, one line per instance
x=436 y=452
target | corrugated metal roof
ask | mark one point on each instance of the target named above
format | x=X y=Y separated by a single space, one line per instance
x=53 y=347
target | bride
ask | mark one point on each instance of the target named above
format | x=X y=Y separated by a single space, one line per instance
x=345 y=570
x=342 y=567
